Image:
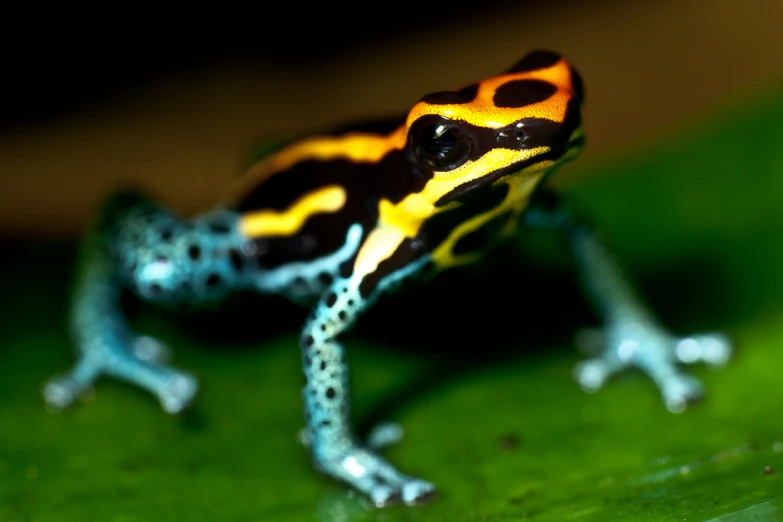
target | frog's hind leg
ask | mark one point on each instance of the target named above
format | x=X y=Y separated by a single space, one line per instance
x=141 y=247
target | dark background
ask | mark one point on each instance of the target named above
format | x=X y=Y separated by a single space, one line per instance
x=62 y=67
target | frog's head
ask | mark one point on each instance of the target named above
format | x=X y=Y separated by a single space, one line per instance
x=523 y=123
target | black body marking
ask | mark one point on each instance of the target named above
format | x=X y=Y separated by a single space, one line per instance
x=521 y=93
x=483 y=237
x=464 y=95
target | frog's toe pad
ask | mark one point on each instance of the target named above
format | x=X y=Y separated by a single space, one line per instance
x=679 y=391
x=713 y=349
x=384 y=435
x=178 y=393
x=417 y=491
x=410 y=492
x=149 y=349
x=592 y=374
x=61 y=392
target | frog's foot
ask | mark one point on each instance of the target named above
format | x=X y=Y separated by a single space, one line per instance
x=655 y=352
x=141 y=364
x=375 y=477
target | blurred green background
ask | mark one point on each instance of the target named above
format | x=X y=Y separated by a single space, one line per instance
x=682 y=171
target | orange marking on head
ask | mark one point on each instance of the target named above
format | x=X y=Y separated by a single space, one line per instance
x=483 y=112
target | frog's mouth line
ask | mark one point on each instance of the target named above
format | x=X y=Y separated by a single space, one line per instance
x=552 y=154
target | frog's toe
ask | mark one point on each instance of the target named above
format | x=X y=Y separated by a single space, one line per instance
x=658 y=354
x=62 y=391
x=149 y=349
x=418 y=491
x=384 y=435
x=372 y=475
x=178 y=392
x=592 y=374
x=384 y=495
x=409 y=491
x=679 y=391
x=713 y=349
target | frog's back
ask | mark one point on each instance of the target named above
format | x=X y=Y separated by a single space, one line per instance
x=307 y=207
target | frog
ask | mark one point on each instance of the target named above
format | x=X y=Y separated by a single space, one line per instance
x=334 y=221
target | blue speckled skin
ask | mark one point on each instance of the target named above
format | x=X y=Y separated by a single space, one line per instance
x=142 y=247
x=370 y=220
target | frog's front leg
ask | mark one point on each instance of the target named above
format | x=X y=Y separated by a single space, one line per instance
x=138 y=246
x=631 y=335
x=334 y=448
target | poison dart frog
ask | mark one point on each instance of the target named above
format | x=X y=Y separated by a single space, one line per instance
x=335 y=221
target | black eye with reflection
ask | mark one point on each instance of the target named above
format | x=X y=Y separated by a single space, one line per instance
x=439 y=143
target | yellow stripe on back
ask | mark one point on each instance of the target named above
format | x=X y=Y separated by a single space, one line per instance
x=289 y=221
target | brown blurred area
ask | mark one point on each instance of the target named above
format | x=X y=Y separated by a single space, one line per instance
x=183 y=132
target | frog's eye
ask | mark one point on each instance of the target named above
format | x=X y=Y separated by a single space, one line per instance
x=438 y=143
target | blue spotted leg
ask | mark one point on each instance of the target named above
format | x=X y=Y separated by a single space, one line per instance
x=631 y=335
x=334 y=448
x=138 y=246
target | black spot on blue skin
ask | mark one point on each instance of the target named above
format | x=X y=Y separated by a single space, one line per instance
x=166 y=234
x=236 y=259
x=535 y=60
x=521 y=93
x=323 y=365
x=331 y=299
x=346 y=269
x=342 y=315
x=330 y=393
x=194 y=252
x=308 y=341
x=464 y=95
x=213 y=280
x=325 y=278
